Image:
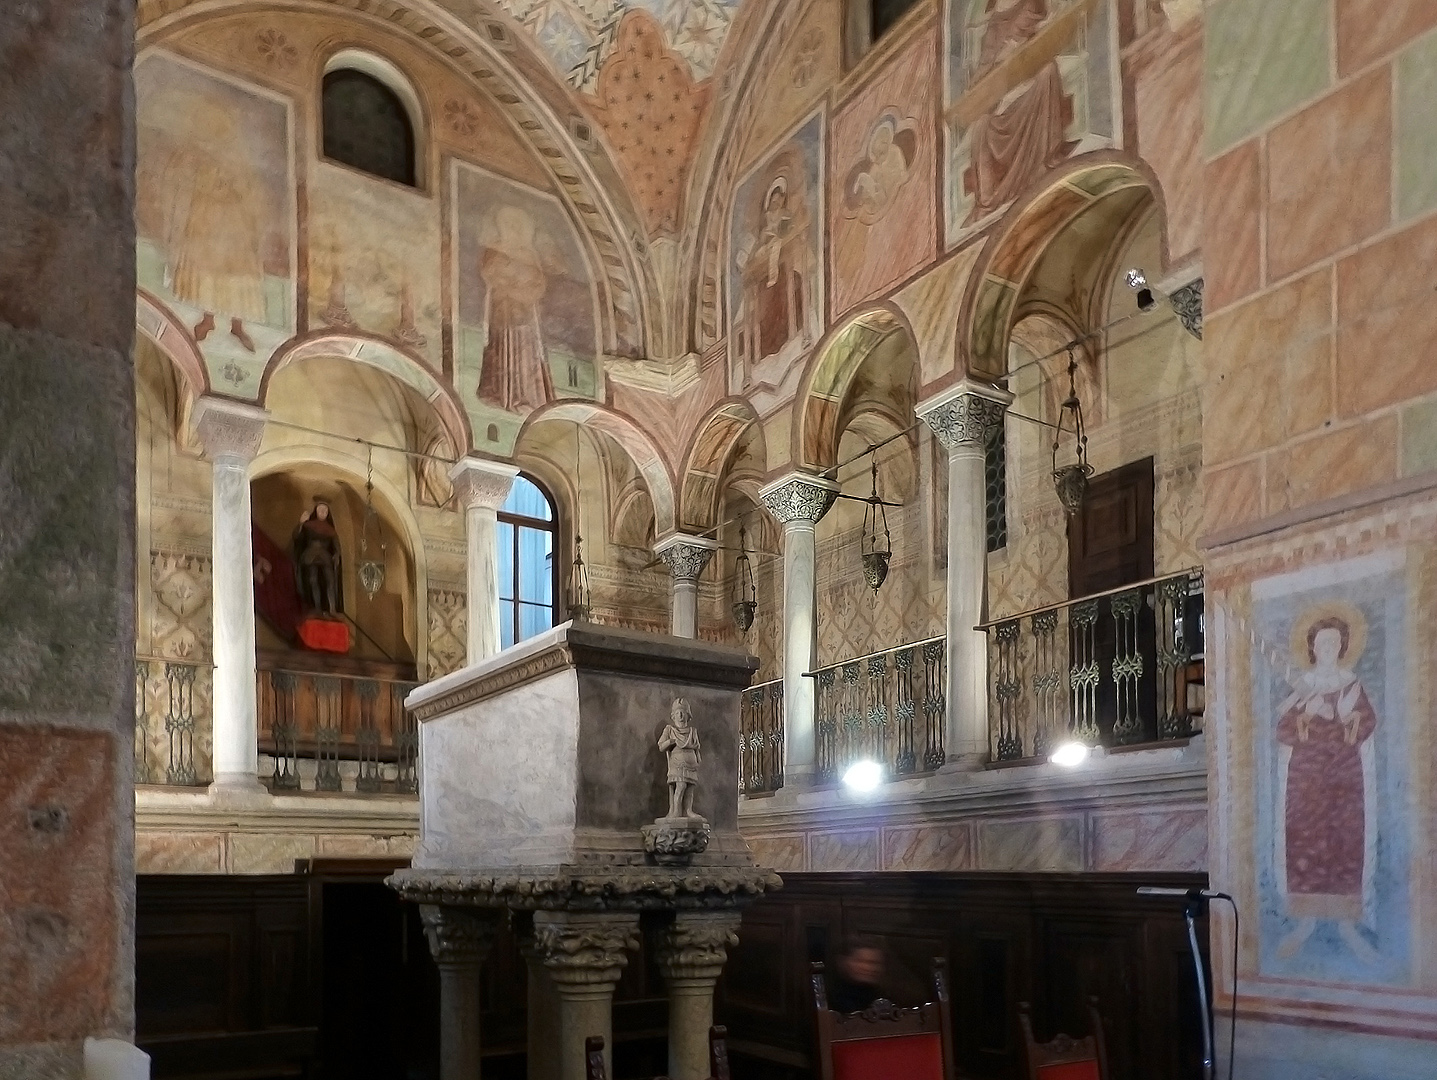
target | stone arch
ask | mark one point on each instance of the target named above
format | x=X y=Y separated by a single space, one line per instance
x=1013 y=249
x=384 y=356
x=831 y=370
x=158 y=323
x=634 y=441
x=709 y=453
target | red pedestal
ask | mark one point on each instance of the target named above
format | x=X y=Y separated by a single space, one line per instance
x=324 y=635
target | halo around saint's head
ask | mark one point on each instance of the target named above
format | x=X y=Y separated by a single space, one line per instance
x=1337 y=613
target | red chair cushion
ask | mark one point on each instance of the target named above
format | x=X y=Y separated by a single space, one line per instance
x=897 y=1057
x=1071 y=1070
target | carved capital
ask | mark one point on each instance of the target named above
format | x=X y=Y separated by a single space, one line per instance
x=582 y=950
x=1187 y=303
x=229 y=429
x=965 y=415
x=481 y=484
x=685 y=556
x=799 y=497
x=459 y=935
x=697 y=944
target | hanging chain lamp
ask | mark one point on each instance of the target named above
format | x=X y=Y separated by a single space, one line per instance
x=876 y=549
x=745 y=602
x=579 y=601
x=1071 y=480
x=371 y=569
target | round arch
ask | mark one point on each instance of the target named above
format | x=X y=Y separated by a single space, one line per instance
x=712 y=446
x=387 y=357
x=635 y=442
x=829 y=375
x=353 y=468
x=1014 y=248
x=157 y=322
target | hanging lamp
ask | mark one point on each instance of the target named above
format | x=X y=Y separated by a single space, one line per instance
x=371 y=569
x=579 y=600
x=876 y=549
x=745 y=602
x=1071 y=479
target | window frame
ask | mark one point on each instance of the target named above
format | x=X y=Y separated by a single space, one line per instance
x=552 y=527
x=389 y=75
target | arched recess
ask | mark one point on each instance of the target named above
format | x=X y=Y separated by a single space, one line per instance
x=701 y=494
x=630 y=437
x=384 y=356
x=818 y=424
x=158 y=323
x=395 y=505
x=1013 y=251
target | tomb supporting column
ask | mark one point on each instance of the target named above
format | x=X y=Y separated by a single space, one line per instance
x=686 y=557
x=691 y=955
x=459 y=940
x=482 y=487
x=584 y=953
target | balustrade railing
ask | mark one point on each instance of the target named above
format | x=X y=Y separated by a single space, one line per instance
x=761 y=739
x=887 y=707
x=171 y=721
x=1115 y=669
x=336 y=732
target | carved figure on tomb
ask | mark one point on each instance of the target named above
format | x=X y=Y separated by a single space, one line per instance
x=680 y=741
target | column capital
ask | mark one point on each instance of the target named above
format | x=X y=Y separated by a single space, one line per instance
x=480 y=483
x=229 y=429
x=585 y=949
x=459 y=935
x=965 y=414
x=696 y=945
x=685 y=555
x=799 y=496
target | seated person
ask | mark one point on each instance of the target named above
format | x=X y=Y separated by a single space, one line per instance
x=854 y=983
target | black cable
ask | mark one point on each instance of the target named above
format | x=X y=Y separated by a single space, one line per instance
x=1232 y=1023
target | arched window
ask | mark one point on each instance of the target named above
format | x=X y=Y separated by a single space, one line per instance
x=528 y=577
x=884 y=13
x=367 y=126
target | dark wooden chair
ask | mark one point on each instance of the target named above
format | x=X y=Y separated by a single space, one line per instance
x=885 y=1042
x=718 y=1056
x=1064 y=1057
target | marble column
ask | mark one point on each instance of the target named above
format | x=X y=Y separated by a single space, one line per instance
x=482 y=486
x=691 y=955
x=962 y=417
x=542 y=1020
x=686 y=557
x=230 y=433
x=585 y=953
x=798 y=501
x=459 y=940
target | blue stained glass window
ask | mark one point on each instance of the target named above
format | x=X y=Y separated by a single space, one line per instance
x=526 y=563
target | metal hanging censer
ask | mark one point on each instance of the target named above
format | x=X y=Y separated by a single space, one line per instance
x=745 y=592
x=877 y=550
x=371 y=570
x=579 y=601
x=1071 y=480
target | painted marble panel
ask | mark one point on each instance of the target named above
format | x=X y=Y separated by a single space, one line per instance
x=1032 y=83
x=527 y=327
x=214 y=212
x=1051 y=844
x=882 y=205
x=782 y=853
x=840 y=851
x=179 y=853
x=1171 y=839
x=1331 y=731
x=775 y=265
x=928 y=847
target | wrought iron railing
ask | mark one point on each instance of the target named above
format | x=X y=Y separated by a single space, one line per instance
x=761 y=739
x=887 y=707
x=1116 y=668
x=333 y=732
x=172 y=721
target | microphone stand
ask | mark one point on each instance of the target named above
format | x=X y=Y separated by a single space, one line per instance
x=1191 y=910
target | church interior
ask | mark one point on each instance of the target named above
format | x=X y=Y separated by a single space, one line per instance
x=533 y=520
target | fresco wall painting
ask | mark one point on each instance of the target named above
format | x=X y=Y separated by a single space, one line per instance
x=527 y=329
x=215 y=213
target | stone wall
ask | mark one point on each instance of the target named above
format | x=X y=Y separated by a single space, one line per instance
x=67 y=565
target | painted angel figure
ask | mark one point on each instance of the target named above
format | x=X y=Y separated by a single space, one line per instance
x=680 y=741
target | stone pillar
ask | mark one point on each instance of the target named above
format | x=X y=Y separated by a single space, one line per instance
x=542 y=1032
x=481 y=487
x=962 y=418
x=459 y=939
x=231 y=434
x=585 y=953
x=686 y=557
x=798 y=501
x=691 y=955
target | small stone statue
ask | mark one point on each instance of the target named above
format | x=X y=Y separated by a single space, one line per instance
x=680 y=741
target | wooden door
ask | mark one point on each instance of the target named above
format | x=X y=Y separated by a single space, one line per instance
x=1110 y=544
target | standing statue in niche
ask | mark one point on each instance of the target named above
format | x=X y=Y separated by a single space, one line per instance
x=680 y=741
x=317 y=561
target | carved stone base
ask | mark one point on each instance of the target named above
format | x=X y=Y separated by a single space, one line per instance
x=675 y=841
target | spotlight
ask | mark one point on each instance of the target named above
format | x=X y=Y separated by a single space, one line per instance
x=863 y=776
x=1138 y=282
x=1070 y=754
